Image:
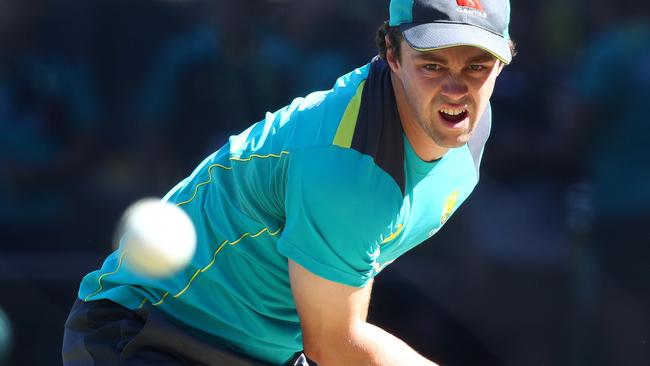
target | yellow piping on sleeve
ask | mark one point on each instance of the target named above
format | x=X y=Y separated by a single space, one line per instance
x=195 y=192
x=99 y=280
x=214 y=258
x=233 y=158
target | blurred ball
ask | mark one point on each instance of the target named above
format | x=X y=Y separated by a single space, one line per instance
x=158 y=238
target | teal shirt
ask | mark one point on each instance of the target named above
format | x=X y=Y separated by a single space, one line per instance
x=330 y=182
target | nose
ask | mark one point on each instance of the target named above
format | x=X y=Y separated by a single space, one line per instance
x=454 y=88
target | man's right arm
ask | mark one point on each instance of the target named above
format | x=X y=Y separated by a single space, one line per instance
x=335 y=331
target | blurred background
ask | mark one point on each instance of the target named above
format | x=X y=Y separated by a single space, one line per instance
x=103 y=102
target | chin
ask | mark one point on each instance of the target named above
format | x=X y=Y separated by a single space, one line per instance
x=457 y=143
x=451 y=142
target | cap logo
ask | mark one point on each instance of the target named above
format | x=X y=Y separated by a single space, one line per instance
x=471 y=7
x=476 y=4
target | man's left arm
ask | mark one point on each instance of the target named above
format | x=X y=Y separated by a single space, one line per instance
x=334 y=327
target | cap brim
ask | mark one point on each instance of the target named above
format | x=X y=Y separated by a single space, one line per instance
x=433 y=36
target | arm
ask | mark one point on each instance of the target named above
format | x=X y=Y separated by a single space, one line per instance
x=335 y=332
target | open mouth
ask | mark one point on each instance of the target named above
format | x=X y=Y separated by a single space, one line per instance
x=453 y=115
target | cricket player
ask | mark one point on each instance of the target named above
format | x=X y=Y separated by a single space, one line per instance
x=296 y=215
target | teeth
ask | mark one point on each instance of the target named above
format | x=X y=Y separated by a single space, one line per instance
x=453 y=112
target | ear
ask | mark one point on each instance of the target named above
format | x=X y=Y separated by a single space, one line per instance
x=392 y=60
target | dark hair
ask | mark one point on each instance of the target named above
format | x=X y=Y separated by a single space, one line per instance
x=395 y=37
x=513 y=47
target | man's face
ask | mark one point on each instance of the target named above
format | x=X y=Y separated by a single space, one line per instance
x=444 y=92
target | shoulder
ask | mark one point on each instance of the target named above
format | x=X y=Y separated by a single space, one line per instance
x=314 y=119
x=345 y=178
x=307 y=121
x=338 y=205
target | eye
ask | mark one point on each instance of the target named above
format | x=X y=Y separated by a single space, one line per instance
x=477 y=67
x=432 y=67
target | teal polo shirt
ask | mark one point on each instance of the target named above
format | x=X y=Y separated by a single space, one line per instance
x=330 y=181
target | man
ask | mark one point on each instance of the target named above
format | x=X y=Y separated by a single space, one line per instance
x=296 y=215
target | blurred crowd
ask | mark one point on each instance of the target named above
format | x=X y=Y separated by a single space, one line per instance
x=103 y=102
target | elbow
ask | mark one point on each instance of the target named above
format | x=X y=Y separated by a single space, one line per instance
x=314 y=354
x=315 y=350
x=334 y=348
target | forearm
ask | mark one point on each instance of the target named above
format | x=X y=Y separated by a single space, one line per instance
x=368 y=345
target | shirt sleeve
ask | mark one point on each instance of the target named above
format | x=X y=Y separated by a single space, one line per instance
x=337 y=205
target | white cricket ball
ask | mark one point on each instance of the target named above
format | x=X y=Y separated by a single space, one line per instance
x=157 y=238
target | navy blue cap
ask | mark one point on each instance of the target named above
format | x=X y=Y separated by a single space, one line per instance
x=436 y=24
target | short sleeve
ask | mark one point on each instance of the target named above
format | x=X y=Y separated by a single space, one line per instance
x=337 y=205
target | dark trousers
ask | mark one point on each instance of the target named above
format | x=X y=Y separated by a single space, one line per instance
x=103 y=333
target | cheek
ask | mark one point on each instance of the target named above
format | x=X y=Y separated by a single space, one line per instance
x=488 y=86
x=484 y=91
x=423 y=90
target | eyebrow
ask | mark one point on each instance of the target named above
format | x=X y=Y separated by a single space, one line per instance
x=427 y=56
x=484 y=56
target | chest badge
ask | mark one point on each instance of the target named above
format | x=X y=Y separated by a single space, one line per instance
x=393 y=235
x=449 y=206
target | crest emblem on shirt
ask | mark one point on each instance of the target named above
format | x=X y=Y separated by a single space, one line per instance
x=393 y=234
x=449 y=206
